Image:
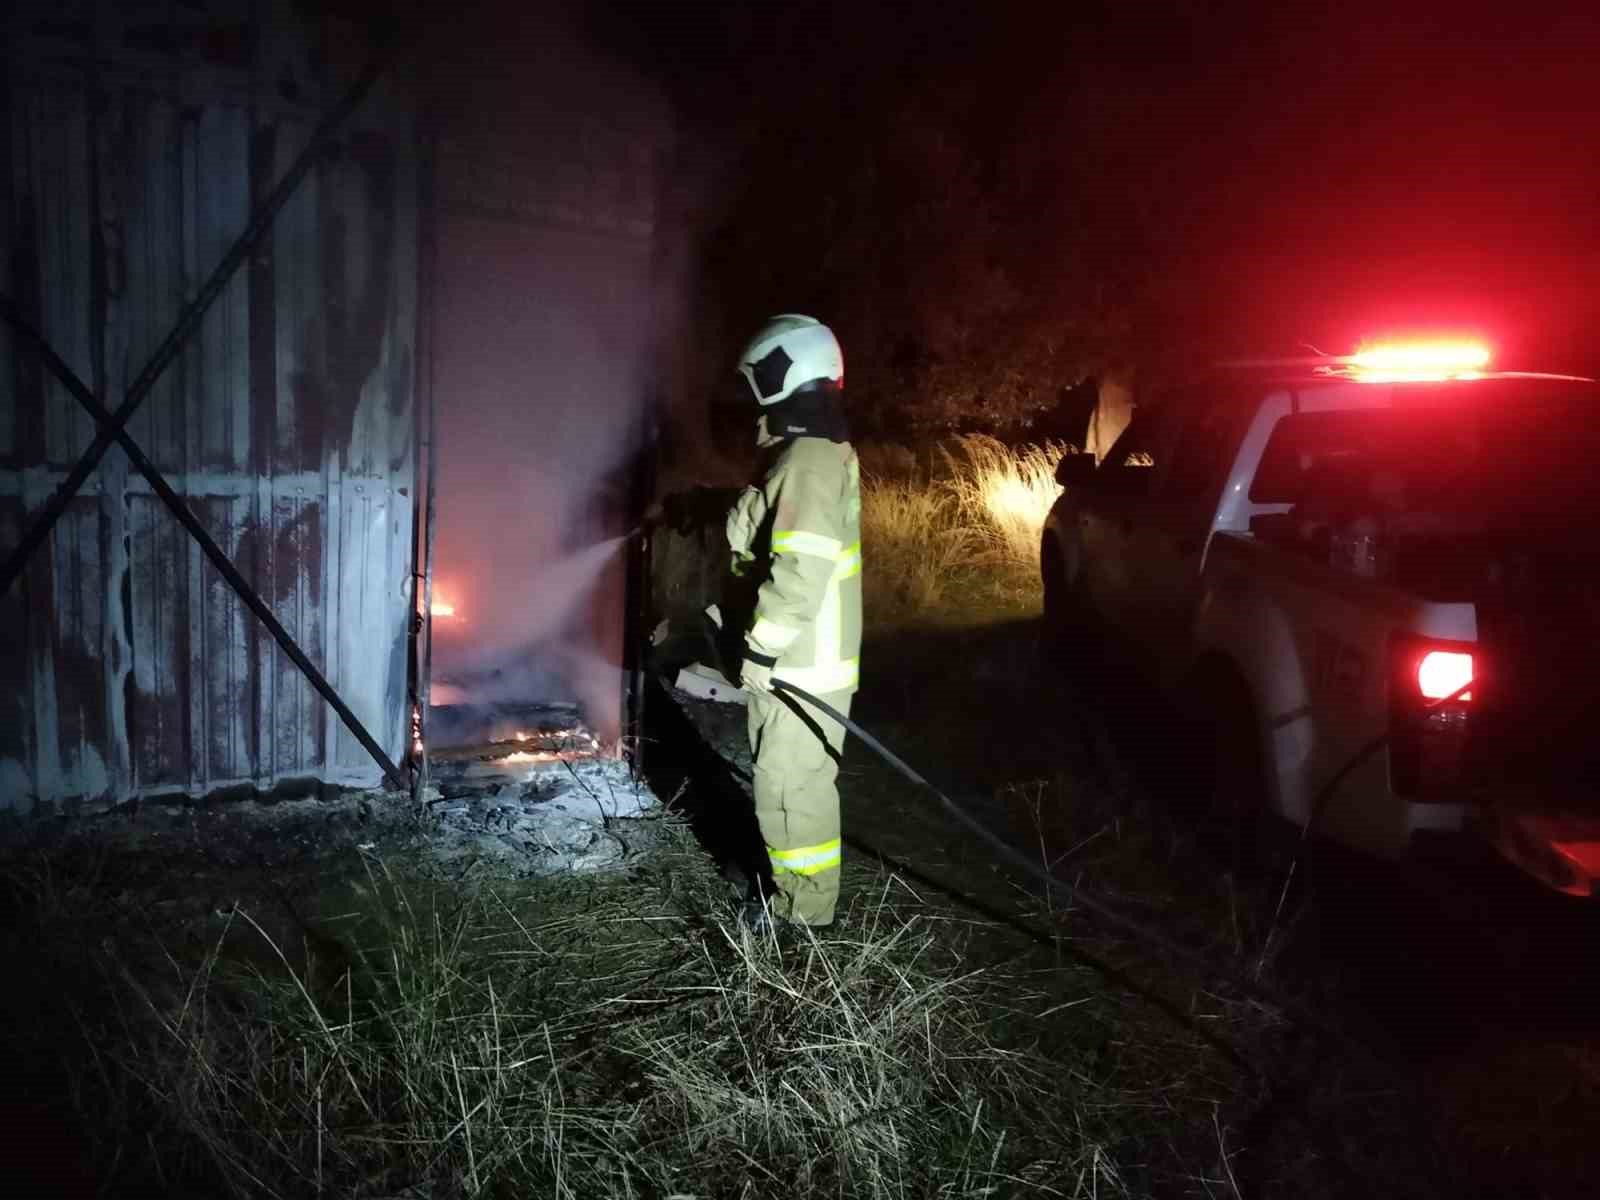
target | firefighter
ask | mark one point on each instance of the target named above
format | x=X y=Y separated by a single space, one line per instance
x=795 y=538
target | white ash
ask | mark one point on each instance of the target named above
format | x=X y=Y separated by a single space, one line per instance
x=482 y=822
x=540 y=818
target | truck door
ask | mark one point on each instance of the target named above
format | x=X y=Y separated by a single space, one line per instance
x=1169 y=540
x=1109 y=515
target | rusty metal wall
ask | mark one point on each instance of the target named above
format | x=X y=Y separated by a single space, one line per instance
x=134 y=137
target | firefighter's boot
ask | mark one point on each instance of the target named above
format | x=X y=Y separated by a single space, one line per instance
x=796 y=751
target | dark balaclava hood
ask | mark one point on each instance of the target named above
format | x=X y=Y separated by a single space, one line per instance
x=814 y=409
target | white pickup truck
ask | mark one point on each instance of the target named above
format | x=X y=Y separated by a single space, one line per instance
x=1373 y=584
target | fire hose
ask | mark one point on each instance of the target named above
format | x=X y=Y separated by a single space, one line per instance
x=1140 y=930
x=1282 y=1091
x=1253 y=988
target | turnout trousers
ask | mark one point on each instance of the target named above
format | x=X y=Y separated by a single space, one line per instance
x=796 y=751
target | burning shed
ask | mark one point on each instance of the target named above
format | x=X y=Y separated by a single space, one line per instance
x=263 y=358
x=547 y=287
x=220 y=289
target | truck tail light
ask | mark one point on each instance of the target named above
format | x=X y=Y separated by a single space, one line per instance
x=1441 y=674
x=1430 y=715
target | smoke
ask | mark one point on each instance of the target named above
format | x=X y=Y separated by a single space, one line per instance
x=547 y=334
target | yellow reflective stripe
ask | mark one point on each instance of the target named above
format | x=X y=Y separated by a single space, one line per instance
x=828 y=677
x=771 y=633
x=826 y=649
x=848 y=562
x=806 y=860
x=798 y=541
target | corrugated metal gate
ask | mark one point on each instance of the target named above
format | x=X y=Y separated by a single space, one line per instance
x=136 y=139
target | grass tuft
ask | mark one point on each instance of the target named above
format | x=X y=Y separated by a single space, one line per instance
x=1005 y=494
x=915 y=546
x=965 y=540
x=591 y=1037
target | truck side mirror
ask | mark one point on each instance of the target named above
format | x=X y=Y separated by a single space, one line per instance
x=1075 y=470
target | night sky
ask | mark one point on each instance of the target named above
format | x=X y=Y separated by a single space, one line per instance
x=1157 y=183
x=1350 y=176
x=1272 y=173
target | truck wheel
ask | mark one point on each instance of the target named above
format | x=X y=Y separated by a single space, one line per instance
x=1063 y=634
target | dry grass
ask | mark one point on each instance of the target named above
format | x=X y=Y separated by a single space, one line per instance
x=584 y=1038
x=966 y=537
x=915 y=545
x=1005 y=493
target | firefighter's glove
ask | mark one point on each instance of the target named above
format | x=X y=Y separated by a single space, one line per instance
x=755 y=675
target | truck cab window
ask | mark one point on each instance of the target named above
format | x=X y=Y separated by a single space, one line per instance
x=1427 y=487
x=1129 y=465
x=1198 y=464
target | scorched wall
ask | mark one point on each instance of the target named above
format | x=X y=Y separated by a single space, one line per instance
x=134 y=139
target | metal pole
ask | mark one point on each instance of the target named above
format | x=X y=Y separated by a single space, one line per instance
x=637 y=601
x=427 y=583
x=188 y=322
x=189 y=521
x=414 y=744
x=414 y=617
x=430 y=251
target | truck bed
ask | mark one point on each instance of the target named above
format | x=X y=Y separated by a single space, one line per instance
x=1531 y=770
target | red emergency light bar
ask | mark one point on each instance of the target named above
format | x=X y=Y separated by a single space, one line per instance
x=1387 y=362
x=1417 y=361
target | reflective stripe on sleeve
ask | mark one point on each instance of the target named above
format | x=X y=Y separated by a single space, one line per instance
x=848 y=562
x=806 y=860
x=798 y=541
x=772 y=634
x=829 y=677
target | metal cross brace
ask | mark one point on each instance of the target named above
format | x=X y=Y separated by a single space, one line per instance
x=208 y=544
x=188 y=322
x=113 y=426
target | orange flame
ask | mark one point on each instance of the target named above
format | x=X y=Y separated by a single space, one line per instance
x=529 y=756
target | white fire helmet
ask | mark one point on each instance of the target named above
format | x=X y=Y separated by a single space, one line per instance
x=790 y=350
